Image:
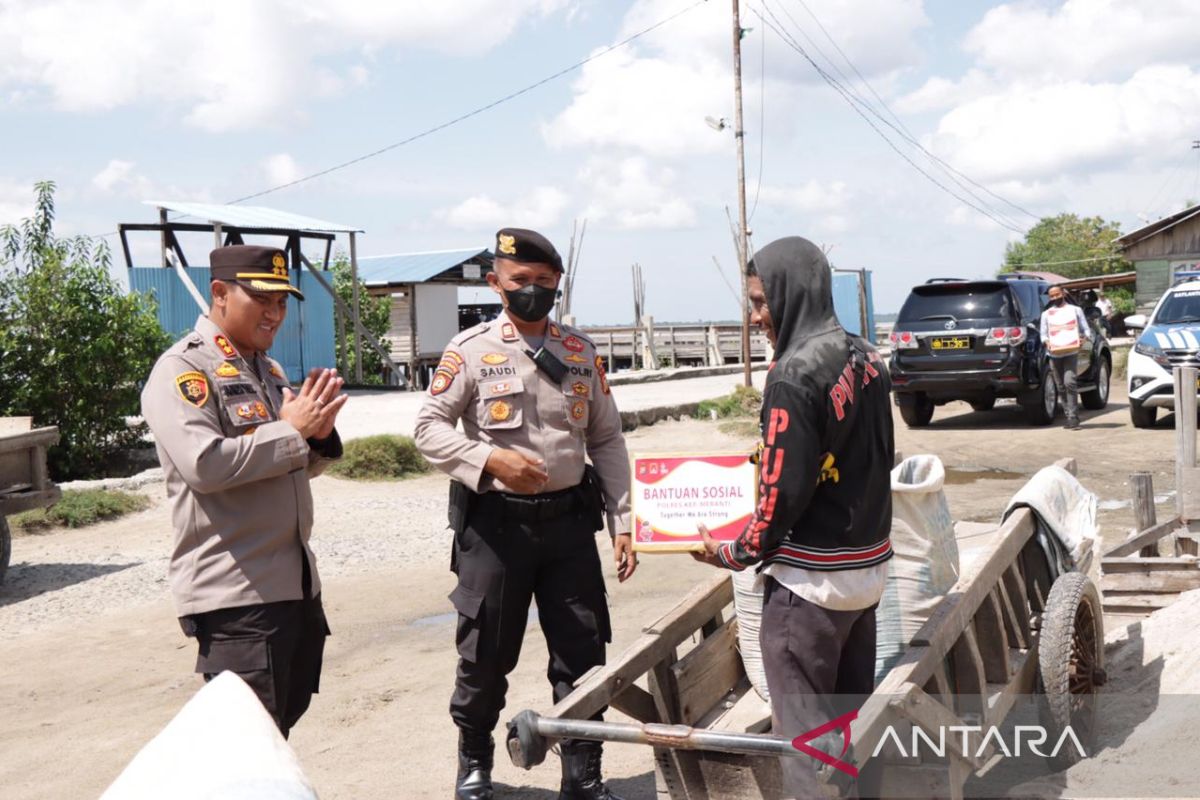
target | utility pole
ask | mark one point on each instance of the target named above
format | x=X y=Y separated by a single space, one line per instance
x=739 y=135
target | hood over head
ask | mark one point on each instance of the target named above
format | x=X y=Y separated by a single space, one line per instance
x=798 y=285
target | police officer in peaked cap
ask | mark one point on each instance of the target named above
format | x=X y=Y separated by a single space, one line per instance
x=238 y=448
x=534 y=403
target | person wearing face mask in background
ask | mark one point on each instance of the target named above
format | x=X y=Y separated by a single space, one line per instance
x=534 y=401
x=1065 y=330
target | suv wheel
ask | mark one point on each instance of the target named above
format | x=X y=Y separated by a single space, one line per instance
x=1097 y=398
x=1041 y=406
x=984 y=404
x=916 y=410
x=1142 y=416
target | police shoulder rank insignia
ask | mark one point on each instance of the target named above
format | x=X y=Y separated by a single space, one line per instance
x=224 y=346
x=580 y=389
x=193 y=387
x=603 y=375
x=508 y=333
x=494 y=358
x=500 y=411
x=575 y=358
x=441 y=382
x=227 y=370
x=573 y=343
x=555 y=333
x=277 y=372
x=578 y=409
x=508 y=244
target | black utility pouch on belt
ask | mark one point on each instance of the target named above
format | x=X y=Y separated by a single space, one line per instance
x=593 y=496
x=459 y=507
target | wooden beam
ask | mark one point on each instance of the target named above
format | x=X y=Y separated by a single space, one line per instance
x=1144 y=514
x=707 y=673
x=637 y=703
x=992 y=639
x=1141 y=539
x=38 y=437
x=656 y=643
x=1151 y=580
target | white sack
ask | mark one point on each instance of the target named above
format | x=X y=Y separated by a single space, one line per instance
x=925 y=565
x=222 y=745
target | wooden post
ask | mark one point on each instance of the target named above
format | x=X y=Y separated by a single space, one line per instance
x=164 y=236
x=1144 y=515
x=611 y=354
x=714 y=357
x=414 y=358
x=358 y=371
x=649 y=354
x=1185 y=439
x=216 y=235
x=739 y=135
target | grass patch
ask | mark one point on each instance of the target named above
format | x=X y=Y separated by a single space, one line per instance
x=1120 y=362
x=743 y=401
x=377 y=458
x=741 y=428
x=79 y=508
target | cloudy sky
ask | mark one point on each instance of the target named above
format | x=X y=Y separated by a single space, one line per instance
x=1021 y=109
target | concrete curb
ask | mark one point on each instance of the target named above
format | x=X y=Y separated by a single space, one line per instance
x=631 y=420
x=133 y=482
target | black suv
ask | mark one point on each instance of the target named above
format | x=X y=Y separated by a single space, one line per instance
x=979 y=340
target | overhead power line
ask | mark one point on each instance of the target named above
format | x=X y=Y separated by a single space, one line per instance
x=476 y=111
x=908 y=134
x=776 y=25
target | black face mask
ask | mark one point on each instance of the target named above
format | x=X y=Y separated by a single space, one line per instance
x=531 y=303
x=1059 y=302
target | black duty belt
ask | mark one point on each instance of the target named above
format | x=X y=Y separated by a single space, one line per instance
x=538 y=507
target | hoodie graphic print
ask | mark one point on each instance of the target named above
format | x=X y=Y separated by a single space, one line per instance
x=825 y=499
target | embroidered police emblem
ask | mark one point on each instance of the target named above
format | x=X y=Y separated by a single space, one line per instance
x=193 y=387
x=573 y=343
x=227 y=370
x=500 y=411
x=580 y=389
x=494 y=358
x=441 y=382
x=279 y=265
x=508 y=244
x=575 y=358
x=578 y=409
x=260 y=408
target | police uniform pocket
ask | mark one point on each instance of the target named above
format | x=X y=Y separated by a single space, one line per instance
x=241 y=655
x=500 y=404
x=577 y=395
x=468 y=603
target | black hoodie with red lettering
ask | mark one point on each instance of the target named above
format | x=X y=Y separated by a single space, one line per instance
x=825 y=500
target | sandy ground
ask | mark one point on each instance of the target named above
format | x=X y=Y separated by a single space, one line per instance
x=94 y=663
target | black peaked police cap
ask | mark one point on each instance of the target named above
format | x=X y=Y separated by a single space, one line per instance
x=526 y=247
x=260 y=269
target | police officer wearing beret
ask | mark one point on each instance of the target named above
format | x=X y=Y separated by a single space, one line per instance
x=534 y=401
x=238 y=448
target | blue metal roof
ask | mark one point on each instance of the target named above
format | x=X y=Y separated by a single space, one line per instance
x=415 y=267
x=252 y=217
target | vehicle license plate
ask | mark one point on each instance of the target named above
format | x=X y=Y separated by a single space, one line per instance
x=951 y=343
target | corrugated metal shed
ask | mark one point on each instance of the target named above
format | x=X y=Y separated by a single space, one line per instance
x=252 y=217
x=403 y=268
x=304 y=341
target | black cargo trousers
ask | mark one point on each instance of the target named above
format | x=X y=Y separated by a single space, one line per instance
x=510 y=551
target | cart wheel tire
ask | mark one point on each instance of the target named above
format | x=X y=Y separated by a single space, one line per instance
x=1071 y=663
x=5 y=547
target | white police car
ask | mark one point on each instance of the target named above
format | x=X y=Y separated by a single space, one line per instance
x=1171 y=337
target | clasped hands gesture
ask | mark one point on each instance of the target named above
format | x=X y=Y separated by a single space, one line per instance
x=314 y=409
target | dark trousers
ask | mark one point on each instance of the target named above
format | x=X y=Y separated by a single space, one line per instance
x=276 y=648
x=1064 y=370
x=502 y=563
x=820 y=664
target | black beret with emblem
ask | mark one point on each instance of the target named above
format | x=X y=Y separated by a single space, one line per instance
x=260 y=269
x=526 y=247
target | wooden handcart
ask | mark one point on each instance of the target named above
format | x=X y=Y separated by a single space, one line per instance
x=24 y=480
x=1014 y=624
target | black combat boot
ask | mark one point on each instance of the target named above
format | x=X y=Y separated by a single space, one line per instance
x=474 y=780
x=581 y=772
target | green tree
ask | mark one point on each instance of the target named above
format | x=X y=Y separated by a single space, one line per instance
x=375 y=315
x=1068 y=237
x=74 y=348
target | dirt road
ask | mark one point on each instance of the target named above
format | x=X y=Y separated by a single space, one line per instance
x=94 y=663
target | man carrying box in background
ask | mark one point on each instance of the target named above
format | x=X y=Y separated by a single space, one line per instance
x=822 y=526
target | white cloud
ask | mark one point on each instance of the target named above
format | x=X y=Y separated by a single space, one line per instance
x=16 y=200
x=281 y=168
x=1039 y=132
x=821 y=207
x=1084 y=39
x=121 y=178
x=540 y=208
x=630 y=194
x=226 y=64
x=653 y=96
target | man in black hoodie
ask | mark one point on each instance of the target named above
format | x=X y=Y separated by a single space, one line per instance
x=821 y=531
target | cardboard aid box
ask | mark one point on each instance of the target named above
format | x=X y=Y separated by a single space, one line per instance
x=673 y=492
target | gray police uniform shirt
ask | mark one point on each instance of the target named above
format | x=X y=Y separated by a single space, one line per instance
x=487 y=381
x=237 y=476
